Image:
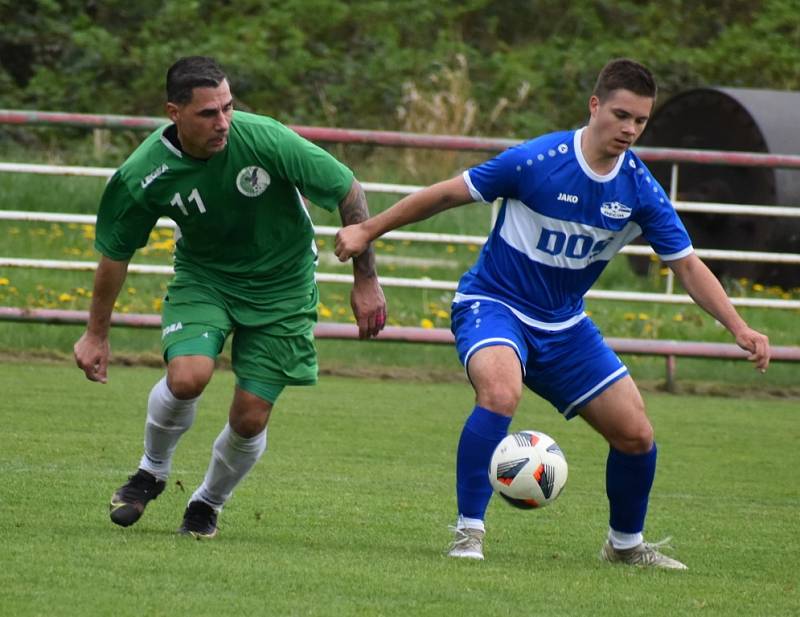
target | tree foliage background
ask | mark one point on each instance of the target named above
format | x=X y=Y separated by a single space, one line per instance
x=493 y=67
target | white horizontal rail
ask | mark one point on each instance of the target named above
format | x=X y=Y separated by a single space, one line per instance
x=420 y=283
x=405 y=189
x=418 y=236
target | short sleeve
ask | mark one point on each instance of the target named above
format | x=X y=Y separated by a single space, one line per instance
x=317 y=175
x=497 y=177
x=123 y=224
x=661 y=225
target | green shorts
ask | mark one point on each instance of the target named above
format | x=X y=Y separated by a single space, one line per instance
x=272 y=342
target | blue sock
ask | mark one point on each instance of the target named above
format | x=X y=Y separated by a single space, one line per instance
x=629 y=478
x=483 y=430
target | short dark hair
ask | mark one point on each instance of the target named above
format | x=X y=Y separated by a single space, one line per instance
x=625 y=74
x=192 y=72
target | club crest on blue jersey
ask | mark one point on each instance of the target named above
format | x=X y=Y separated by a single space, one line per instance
x=615 y=210
x=252 y=181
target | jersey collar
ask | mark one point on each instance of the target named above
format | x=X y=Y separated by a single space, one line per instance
x=168 y=144
x=576 y=146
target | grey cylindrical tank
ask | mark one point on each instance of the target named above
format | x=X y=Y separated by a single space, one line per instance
x=737 y=119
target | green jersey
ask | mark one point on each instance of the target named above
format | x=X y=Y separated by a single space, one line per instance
x=242 y=221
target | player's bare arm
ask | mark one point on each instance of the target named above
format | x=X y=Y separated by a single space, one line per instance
x=704 y=288
x=92 y=350
x=366 y=299
x=354 y=239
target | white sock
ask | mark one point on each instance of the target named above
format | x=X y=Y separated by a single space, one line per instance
x=623 y=541
x=231 y=458
x=470 y=523
x=167 y=419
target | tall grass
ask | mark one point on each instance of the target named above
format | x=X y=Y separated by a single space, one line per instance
x=143 y=293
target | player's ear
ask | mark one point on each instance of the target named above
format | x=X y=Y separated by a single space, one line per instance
x=594 y=103
x=172 y=111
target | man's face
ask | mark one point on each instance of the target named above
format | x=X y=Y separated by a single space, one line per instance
x=204 y=121
x=618 y=121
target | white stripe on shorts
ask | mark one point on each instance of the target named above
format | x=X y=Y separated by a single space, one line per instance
x=621 y=370
x=528 y=321
x=483 y=343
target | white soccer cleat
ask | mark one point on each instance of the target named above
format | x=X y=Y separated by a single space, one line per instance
x=644 y=555
x=467 y=543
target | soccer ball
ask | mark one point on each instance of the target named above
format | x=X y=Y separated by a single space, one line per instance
x=528 y=469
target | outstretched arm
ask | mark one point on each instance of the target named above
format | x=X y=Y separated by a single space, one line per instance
x=354 y=240
x=92 y=350
x=706 y=291
x=366 y=299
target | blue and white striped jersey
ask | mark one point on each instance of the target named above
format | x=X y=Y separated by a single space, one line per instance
x=560 y=224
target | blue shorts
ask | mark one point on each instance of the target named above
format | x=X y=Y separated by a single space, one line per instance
x=568 y=367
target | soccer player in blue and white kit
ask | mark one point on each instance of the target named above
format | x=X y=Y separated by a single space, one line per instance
x=571 y=201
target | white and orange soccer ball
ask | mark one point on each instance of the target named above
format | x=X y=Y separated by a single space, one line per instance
x=528 y=469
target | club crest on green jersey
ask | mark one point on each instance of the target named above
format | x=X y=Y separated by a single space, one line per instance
x=252 y=181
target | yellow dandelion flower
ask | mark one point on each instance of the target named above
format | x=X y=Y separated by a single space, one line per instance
x=442 y=314
x=132 y=291
x=758 y=287
x=451 y=249
x=663 y=271
x=324 y=311
x=678 y=317
x=4 y=281
x=426 y=323
x=629 y=316
x=643 y=316
x=321 y=242
x=65 y=297
x=341 y=311
x=472 y=248
x=379 y=244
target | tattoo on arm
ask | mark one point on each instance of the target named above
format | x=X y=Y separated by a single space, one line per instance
x=353 y=209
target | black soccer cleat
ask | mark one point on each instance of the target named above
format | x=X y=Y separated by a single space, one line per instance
x=128 y=503
x=199 y=521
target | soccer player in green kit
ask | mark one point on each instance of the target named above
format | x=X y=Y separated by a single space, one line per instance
x=244 y=265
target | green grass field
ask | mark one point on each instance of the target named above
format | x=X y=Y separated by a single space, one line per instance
x=347 y=513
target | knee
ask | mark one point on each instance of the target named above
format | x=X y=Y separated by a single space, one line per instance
x=187 y=384
x=500 y=397
x=249 y=424
x=636 y=439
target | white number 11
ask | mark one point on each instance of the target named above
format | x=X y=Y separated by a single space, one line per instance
x=193 y=196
